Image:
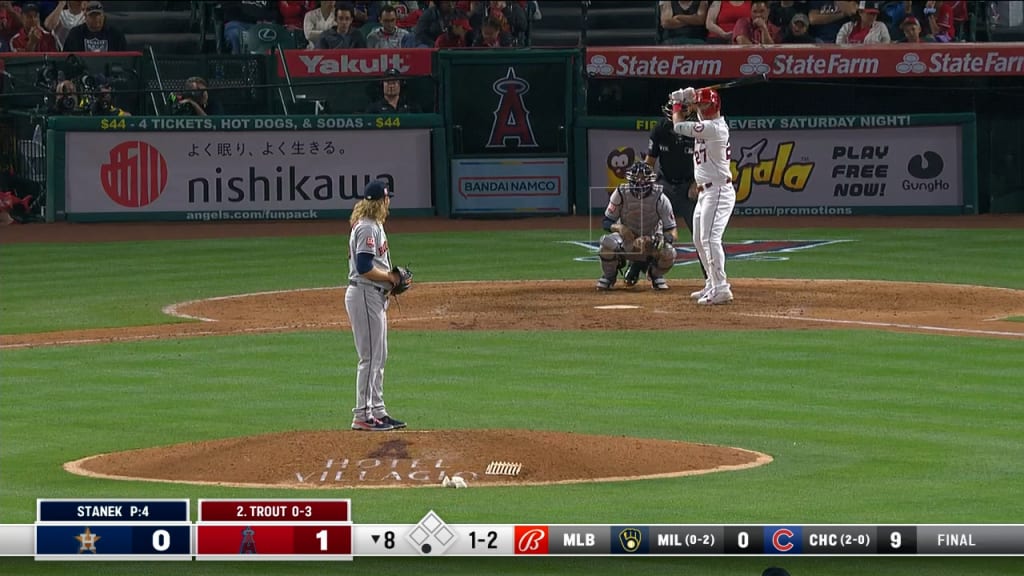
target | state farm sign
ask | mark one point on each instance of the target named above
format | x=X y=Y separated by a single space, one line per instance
x=807 y=61
x=356 y=62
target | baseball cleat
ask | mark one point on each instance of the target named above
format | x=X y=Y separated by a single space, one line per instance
x=394 y=423
x=372 y=425
x=659 y=283
x=699 y=293
x=605 y=283
x=715 y=298
x=633 y=273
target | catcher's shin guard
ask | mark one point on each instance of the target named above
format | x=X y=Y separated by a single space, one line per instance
x=611 y=255
x=666 y=259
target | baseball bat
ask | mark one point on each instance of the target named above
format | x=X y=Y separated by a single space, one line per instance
x=745 y=81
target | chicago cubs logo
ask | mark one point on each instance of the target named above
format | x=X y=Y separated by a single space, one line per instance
x=531 y=539
x=782 y=540
x=511 y=118
x=136 y=174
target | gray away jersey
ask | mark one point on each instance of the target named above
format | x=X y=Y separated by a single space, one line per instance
x=644 y=216
x=368 y=237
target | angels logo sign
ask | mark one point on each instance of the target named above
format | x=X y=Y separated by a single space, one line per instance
x=511 y=118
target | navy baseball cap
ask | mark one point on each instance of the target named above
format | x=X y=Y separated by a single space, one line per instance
x=376 y=190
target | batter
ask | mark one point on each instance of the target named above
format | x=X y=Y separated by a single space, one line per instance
x=716 y=196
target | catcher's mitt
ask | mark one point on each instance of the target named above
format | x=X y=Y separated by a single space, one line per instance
x=404 y=280
x=649 y=245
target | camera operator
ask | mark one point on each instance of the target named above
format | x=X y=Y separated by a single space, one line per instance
x=65 y=99
x=195 y=100
x=102 y=101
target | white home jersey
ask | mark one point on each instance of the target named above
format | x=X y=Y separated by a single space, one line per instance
x=711 y=150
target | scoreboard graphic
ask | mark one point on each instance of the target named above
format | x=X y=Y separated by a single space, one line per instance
x=307 y=529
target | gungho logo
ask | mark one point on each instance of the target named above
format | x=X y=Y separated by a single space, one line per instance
x=778 y=170
x=511 y=117
x=925 y=165
x=136 y=174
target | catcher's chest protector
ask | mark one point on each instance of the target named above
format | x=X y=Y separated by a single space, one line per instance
x=641 y=214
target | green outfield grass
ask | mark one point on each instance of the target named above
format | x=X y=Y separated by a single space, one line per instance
x=865 y=427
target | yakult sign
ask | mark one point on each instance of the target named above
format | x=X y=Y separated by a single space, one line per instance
x=807 y=61
x=359 y=62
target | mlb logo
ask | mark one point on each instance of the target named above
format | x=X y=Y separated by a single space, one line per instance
x=531 y=539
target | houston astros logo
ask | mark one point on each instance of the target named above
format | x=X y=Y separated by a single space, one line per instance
x=511 y=117
x=136 y=174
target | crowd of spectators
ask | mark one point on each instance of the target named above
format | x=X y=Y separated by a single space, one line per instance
x=48 y=26
x=386 y=24
x=766 y=22
x=80 y=25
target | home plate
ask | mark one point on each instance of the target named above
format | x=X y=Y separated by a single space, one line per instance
x=617 y=307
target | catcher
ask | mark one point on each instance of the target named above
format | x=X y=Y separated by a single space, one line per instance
x=641 y=228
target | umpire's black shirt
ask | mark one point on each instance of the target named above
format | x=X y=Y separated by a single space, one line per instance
x=673 y=151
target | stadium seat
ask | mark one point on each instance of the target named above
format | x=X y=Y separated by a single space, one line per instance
x=262 y=38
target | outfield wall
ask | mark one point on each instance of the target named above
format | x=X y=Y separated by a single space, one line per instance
x=514 y=132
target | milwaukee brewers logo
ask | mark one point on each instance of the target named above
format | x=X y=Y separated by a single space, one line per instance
x=511 y=118
x=136 y=174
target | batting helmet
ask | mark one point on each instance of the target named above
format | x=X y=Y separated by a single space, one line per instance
x=641 y=178
x=708 y=102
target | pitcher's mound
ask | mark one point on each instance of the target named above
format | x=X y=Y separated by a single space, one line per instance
x=409 y=458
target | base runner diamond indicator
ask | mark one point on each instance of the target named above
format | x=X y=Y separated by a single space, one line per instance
x=431 y=535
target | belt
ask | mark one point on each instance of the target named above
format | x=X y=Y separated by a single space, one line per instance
x=706 y=185
x=368 y=285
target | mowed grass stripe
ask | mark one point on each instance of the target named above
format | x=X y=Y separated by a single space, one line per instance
x=70 y=286
x=239 y=385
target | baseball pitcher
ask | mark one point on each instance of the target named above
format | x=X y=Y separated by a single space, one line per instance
x=371 y=279
x=641 y=228
x=716 y=196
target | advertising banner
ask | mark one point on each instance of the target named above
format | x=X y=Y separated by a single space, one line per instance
x=496 y=185
x=242 y=175
x=502 y=108
x=837 y=171
x=807 y=61
x=360 y=62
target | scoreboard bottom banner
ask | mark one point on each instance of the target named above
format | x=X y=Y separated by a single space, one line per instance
x=432 y=536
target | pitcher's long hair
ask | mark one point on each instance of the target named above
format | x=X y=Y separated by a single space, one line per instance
x=372 y=209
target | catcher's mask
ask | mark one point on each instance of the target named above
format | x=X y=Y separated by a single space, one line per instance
x=641 y=178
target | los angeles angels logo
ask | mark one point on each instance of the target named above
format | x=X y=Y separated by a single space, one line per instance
x=511 y=118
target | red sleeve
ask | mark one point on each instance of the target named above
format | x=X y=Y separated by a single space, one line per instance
x=742 y=28
x=944 y=18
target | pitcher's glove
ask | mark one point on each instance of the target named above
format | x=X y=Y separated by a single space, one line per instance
x=404 y=280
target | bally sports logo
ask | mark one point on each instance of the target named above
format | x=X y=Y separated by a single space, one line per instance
x=136 y=174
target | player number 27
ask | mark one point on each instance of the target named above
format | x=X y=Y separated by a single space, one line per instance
x=700 y=155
